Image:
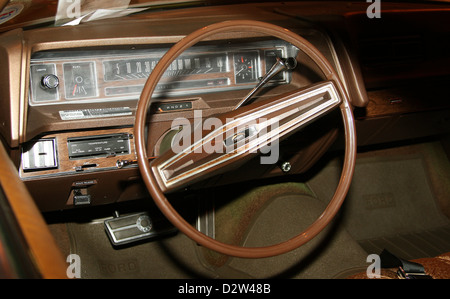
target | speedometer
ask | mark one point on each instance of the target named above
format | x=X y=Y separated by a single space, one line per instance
x=140 y=68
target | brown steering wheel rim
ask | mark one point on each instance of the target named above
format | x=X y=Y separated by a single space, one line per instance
x=152 y=184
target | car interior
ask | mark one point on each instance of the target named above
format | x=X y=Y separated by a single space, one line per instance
x=224 y=139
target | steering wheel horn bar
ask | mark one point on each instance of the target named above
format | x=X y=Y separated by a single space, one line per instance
x=245 y=132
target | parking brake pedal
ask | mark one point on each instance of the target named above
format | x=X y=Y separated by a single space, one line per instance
x=135 y=227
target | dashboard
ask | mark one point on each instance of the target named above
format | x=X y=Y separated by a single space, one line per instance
x=79 y=85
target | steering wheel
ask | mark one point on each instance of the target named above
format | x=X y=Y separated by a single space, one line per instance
x=291 y=111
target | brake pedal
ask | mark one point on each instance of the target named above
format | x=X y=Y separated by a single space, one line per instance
x=135 y=227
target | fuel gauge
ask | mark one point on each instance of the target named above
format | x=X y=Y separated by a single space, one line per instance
x=79 y=80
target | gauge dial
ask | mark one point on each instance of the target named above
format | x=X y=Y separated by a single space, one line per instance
x=79 y=80
x=246 y=67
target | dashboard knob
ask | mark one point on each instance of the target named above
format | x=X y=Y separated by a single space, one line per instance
x=50 y=81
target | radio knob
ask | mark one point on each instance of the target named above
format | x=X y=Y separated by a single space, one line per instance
x=50 y=81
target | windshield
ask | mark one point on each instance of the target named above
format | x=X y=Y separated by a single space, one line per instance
x=26 y=13
x=31 y=13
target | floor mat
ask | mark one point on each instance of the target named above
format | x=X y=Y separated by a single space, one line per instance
x=234 y=217
x=323 y=257
x=390 y=196
x=170 y=257
x=394 y=200
x=428 y=243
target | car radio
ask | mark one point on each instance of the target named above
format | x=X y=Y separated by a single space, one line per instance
x=98 y=146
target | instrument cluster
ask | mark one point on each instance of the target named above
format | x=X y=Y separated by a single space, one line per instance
x=61 y=77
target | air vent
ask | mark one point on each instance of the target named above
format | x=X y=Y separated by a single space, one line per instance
x=40 y=155
x=380 y=52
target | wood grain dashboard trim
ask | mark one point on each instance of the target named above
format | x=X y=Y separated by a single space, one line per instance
x=68 y=166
